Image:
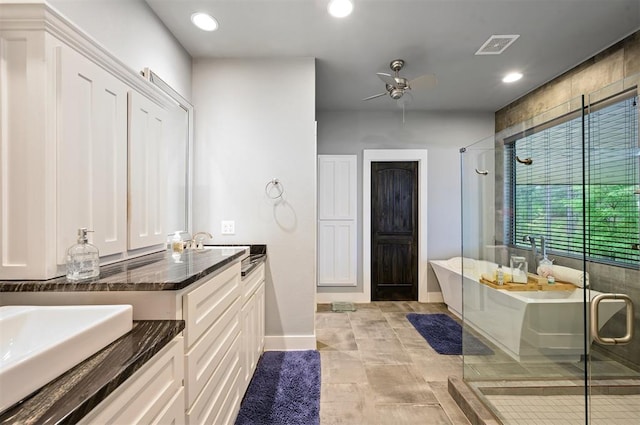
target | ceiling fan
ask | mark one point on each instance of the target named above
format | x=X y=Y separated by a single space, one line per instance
x=398 y=86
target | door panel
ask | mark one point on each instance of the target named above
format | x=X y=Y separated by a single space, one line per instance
x=394 y=231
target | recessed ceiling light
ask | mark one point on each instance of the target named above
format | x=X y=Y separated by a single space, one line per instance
x=511 y=77
x=340 y=8
x=204 y=21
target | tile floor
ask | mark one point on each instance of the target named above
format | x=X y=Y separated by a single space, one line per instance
x=377 y=369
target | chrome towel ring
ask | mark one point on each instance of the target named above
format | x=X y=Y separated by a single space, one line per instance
x=272 y=186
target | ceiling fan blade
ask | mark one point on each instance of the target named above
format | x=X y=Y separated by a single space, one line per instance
x=423 y=82
x=388 y=79
x=374 y=96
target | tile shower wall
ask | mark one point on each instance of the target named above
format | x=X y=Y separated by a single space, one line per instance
x=613 y=64
x=620 y=61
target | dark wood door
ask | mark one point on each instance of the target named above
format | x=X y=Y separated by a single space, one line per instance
x=394 y=231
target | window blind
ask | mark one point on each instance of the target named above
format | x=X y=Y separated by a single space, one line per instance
x=549 y=198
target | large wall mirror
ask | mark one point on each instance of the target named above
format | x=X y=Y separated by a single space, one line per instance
x=179 y=153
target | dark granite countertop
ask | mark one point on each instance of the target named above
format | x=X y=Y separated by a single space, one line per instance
x=72 y=395
x=152 y=272
x=251 y=263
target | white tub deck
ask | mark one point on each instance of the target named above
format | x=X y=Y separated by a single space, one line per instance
x=527 y=325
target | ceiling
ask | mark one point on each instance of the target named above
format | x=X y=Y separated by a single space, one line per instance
x=433 y=36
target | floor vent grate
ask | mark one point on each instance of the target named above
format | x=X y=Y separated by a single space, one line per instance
x=342 y=306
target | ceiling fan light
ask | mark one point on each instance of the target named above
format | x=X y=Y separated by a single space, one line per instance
x=396 y=93
x=512 y=77
x=340 y=8
x=204 y=21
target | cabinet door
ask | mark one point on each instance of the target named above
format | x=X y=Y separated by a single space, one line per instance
x=260 y=301
x=147 y=163
x=92 y=155
x=249 y=340
x=337 y=251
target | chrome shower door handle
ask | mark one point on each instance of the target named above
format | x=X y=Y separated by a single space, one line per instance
x=594 y=319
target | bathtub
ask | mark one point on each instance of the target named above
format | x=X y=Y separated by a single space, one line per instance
x=527 y=325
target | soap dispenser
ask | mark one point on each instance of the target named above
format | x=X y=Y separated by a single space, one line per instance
x=83 y=259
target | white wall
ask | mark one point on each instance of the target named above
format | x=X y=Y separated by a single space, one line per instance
x=248 y=131
x=131 y=31
x=442 y=134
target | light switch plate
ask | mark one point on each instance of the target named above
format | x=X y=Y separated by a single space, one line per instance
x=228 y=227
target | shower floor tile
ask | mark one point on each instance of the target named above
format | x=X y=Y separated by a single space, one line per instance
x=566 y=409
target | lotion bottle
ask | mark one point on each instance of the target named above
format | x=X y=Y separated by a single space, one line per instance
x=83 y=259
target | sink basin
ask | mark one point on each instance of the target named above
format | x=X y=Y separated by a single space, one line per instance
x=39 y=343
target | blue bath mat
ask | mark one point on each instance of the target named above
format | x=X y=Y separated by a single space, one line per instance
x=445 y=335
x=285 y=390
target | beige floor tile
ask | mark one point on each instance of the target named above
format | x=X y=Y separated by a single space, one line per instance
x=398 y=384
x=429 y=307
x=342 y=368
x=394 y=414
x=388 y=358
x=377 y=369
x=411 y=339
x=347 y=392
x=397 y=320
x=335 y=339
x=363 y=315
x=344 y=413
x=333 y=357
x=378 y=329
x=395 y=306
x=332 y=320
x=386 y=345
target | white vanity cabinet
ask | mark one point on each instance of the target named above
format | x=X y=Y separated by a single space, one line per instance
x=92 y=155
x=212 y=333
x=66 y=111
x=224 y=337
x=152 y=395
x=252 y=317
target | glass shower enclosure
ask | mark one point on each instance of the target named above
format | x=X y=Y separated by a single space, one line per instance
x=550 y=265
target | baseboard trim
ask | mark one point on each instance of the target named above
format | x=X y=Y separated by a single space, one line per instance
x=290 y=343
x=352 y=297
x=435 y=297
x=358 y=297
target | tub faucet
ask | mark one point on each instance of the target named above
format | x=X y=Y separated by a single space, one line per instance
x=543 y=247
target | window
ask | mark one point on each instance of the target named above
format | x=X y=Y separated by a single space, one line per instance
x=548 y=196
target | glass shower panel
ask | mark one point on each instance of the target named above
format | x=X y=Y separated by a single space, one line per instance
x=524 y=333
x=613 y=255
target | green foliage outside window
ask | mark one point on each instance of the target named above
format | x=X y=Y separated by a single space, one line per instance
x=548 y=198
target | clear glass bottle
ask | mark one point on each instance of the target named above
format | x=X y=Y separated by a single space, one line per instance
x=500 y=275
x=83 y=259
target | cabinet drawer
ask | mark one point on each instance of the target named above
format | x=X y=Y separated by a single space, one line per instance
x=174 y=412
x=205 y=304
x=251 y=282
x=206 y=354
x=142 y=399
x=220 y=393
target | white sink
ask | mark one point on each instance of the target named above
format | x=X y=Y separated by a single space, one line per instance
x=38 y=344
